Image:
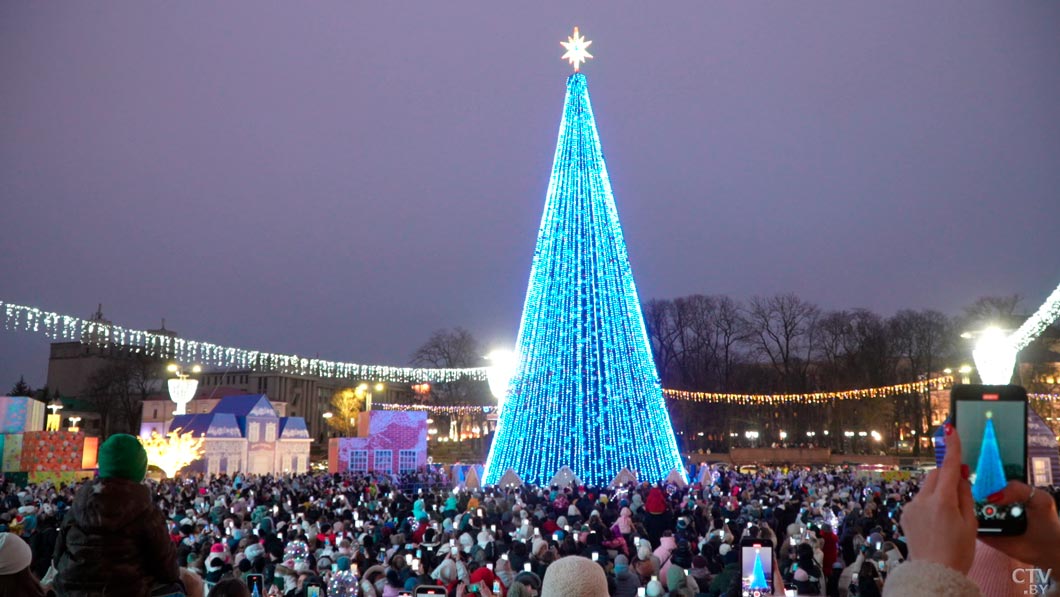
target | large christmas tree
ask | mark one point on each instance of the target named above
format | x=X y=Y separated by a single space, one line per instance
x=585 y=393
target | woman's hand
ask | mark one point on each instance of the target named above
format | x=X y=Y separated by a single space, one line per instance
x=940 y=524
x=1038 y=546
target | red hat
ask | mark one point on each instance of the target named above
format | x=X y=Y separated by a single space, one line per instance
x=483 y=574
x=217 y=548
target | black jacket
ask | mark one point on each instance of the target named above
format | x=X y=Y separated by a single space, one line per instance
x=113 y=542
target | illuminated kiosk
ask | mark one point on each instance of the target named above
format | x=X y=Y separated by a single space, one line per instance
x=245 y=434
x=585 y=393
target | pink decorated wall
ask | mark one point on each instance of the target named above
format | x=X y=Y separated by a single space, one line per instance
x=391 y=441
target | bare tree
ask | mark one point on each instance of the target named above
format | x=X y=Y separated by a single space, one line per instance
x=784 y=330
x=731 y=331
x=991 y=310
x=921 y=341
x=449 y=348
x=118 y=389
x=662 y=333
x=455 y=348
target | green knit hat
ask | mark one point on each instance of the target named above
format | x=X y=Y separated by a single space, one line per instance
x=122 y=456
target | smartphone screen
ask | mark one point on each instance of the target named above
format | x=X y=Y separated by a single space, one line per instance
x=314 y=591
x=756 y=568
x=992 y=421
x=256 y=580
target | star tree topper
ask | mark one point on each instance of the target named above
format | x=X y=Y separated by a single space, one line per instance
x=576 y=46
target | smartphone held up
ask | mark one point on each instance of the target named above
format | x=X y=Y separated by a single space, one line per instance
x=992 y=423
x=756 y=567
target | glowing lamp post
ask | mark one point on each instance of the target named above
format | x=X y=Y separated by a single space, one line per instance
x=364 y=390
x=995 y=356
x=182 y=388
x=73 y=424
x=500 y=373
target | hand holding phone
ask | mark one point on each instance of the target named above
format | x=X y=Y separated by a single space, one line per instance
x=756 y=566
x=992 y=424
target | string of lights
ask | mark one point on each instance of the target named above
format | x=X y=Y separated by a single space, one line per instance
x=432 y=408
x=935 y=383
x=57 y=326
x=1044 y=397
x=1036 y=324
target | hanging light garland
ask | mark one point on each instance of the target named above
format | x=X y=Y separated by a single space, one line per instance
x=1037 y=323
x=57 y=326
x=1044 y=397
x=936 y=383
x=431 y=408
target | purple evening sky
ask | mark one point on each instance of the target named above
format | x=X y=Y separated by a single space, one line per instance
x=343 y=178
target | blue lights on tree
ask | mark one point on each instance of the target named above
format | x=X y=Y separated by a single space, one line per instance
x=758 y=574
x=585 y=392
x=989 y=470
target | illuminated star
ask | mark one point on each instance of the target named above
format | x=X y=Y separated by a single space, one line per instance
x=576 y=46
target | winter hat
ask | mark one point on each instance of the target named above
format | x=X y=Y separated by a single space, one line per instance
x=482 y=574
x=466 y=542
x=723 y=549
x=574 y=576
x=621 y=563
x=675 y=577
x=699 y=562
x=343 y=563
x=15 y=554
x=254 y=551
x=214 y=563
x=644 y=551
x=654 y=589
x=539 y=545
x=122 y=456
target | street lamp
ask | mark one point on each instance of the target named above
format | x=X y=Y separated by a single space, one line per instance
x=503 y=364
x=182 y=387
x=752 y=436
x=73 y=423
x=364 y=390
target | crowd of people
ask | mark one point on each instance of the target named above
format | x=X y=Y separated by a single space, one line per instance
x=830 y=532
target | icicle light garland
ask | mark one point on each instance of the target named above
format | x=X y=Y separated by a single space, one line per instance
x=66 y=327
x=69 y=328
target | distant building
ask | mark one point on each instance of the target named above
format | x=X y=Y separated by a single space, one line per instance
x=158 y=409
x=390 y=442
x=71 y=365
x=246 y=434
x=307 y=397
